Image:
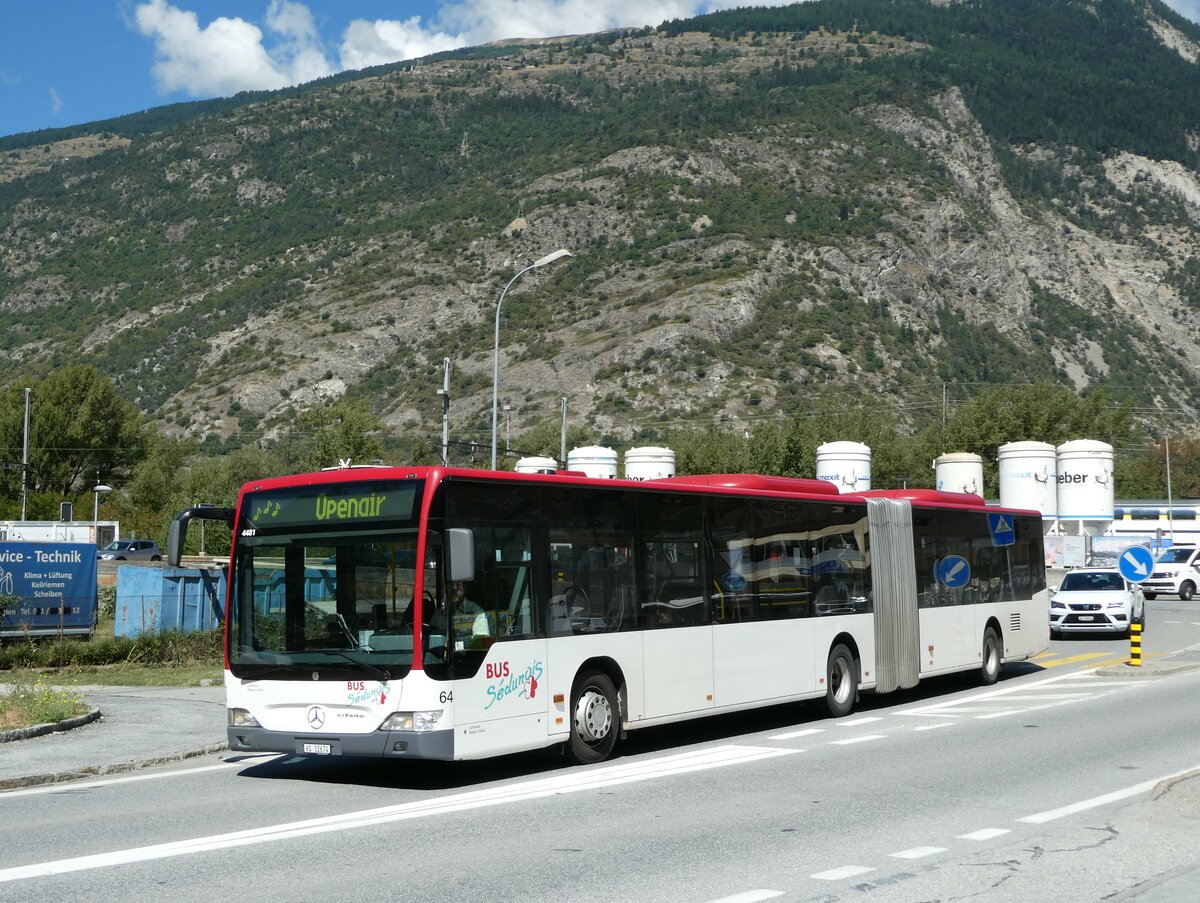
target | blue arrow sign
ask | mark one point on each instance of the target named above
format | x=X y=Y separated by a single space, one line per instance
x=1136 y=564
x=1001 y=527
x=952 y=572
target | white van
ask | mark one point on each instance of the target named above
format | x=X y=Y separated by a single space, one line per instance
x=1177 y=572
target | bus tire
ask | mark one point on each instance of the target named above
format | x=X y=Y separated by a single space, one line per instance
x=841 y=681
x=989 y=671
x=595 y=718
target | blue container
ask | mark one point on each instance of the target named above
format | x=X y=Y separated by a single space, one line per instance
x=153 y=599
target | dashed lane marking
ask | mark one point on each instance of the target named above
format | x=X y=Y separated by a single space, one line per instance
x=750 y=896
x=794 y=734
x=918 y=852
x=846 y=871
x=985 y=834
x=862 y=739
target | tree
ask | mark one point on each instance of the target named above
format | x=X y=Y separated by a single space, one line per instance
x=333 y=433
x=80 y=431
x=1041 y=413
x=1145 y=476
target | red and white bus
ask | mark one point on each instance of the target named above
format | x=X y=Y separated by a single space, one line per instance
x=444 y=613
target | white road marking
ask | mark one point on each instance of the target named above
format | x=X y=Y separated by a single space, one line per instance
x=858 y=721
x=934 y=727
x=846 y=871
x=917 y=852
x=67 y=786
x=572 y=782
x=1144 y=787
x=794 y=734
x=862 y=739
x=750 y=896
x=985 y=834
x=1039 y=697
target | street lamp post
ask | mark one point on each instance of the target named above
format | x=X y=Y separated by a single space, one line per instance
x=549 y=258
x=97 y=490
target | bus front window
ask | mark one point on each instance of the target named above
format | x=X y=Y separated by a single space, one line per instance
x=321 y=603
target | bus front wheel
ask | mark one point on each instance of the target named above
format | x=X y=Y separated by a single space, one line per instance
x=841 y=682
x=595 y=718
x=989 y=671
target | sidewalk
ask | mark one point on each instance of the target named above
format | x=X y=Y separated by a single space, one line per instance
x=138 y=727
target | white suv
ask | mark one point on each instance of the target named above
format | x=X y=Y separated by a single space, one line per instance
x=1177 y=572
x=1096 y=601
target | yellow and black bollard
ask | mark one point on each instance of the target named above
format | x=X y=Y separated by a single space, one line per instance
x=1135 y=645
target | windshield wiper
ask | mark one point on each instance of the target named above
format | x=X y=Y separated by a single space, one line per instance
x=379 y=673
x=345 y=628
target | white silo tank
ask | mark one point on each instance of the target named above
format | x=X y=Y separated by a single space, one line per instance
x=845 y=464
x=959 y=472
x=536 y=464
x=1085 y=487
x=594 y=460
x=649 y=463
x=1028 y=473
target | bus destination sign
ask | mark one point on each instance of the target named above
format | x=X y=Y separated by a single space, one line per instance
x=361 y=503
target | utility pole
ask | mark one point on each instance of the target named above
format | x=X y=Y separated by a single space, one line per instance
x=1170 y=506
x=25 y=456
x=507 y=408
x=562 y=456
x=444 y=391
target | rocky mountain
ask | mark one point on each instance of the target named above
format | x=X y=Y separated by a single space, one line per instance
x=892 y=201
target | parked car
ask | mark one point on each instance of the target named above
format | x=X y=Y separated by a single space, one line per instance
x=130 y=550
x=1096 y=601
x=1177 y=572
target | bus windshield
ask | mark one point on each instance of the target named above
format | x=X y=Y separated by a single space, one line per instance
x=323 y=582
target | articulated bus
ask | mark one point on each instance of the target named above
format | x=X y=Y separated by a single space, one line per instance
x=443 y=613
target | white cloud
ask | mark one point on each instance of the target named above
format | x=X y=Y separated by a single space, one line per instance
x=228 y=55
x=56 y=103
x=463 y=23
x=386 y=41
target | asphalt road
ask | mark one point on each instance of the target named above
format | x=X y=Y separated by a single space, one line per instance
x=1057 y=784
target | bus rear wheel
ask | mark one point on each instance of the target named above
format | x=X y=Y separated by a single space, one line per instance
x=989 y=671
x=841 y=681
x=595 y=718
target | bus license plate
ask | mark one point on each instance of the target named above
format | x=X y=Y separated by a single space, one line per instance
x=317 y=749
x=1087 y=617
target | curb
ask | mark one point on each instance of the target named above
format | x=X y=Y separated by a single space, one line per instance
x=62 y=777
x=1146 y=671
x=38 y=730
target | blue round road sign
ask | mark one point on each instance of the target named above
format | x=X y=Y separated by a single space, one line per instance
x=1136 y=564
x=952 y=572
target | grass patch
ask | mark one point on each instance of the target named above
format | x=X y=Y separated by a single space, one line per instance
x=33 y=702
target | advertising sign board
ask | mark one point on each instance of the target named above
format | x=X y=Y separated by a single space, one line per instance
x=47 y=588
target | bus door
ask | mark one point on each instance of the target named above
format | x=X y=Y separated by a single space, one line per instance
x=496 y=653
x=677 y=638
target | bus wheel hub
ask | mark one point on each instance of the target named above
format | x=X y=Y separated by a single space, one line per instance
x=593 y=717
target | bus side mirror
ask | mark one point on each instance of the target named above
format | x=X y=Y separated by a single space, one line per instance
x=460 y=543
x=177 y=534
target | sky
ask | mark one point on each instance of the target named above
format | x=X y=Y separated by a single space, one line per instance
x=64 y=62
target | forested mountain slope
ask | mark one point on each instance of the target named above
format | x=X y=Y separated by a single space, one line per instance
x=887 y=200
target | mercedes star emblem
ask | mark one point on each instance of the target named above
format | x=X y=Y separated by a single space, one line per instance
x=316 y=717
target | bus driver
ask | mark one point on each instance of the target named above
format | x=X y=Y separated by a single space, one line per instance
x=468 y=618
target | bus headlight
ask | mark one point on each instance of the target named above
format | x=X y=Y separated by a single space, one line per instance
x=242 y=718
x=411 y=721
